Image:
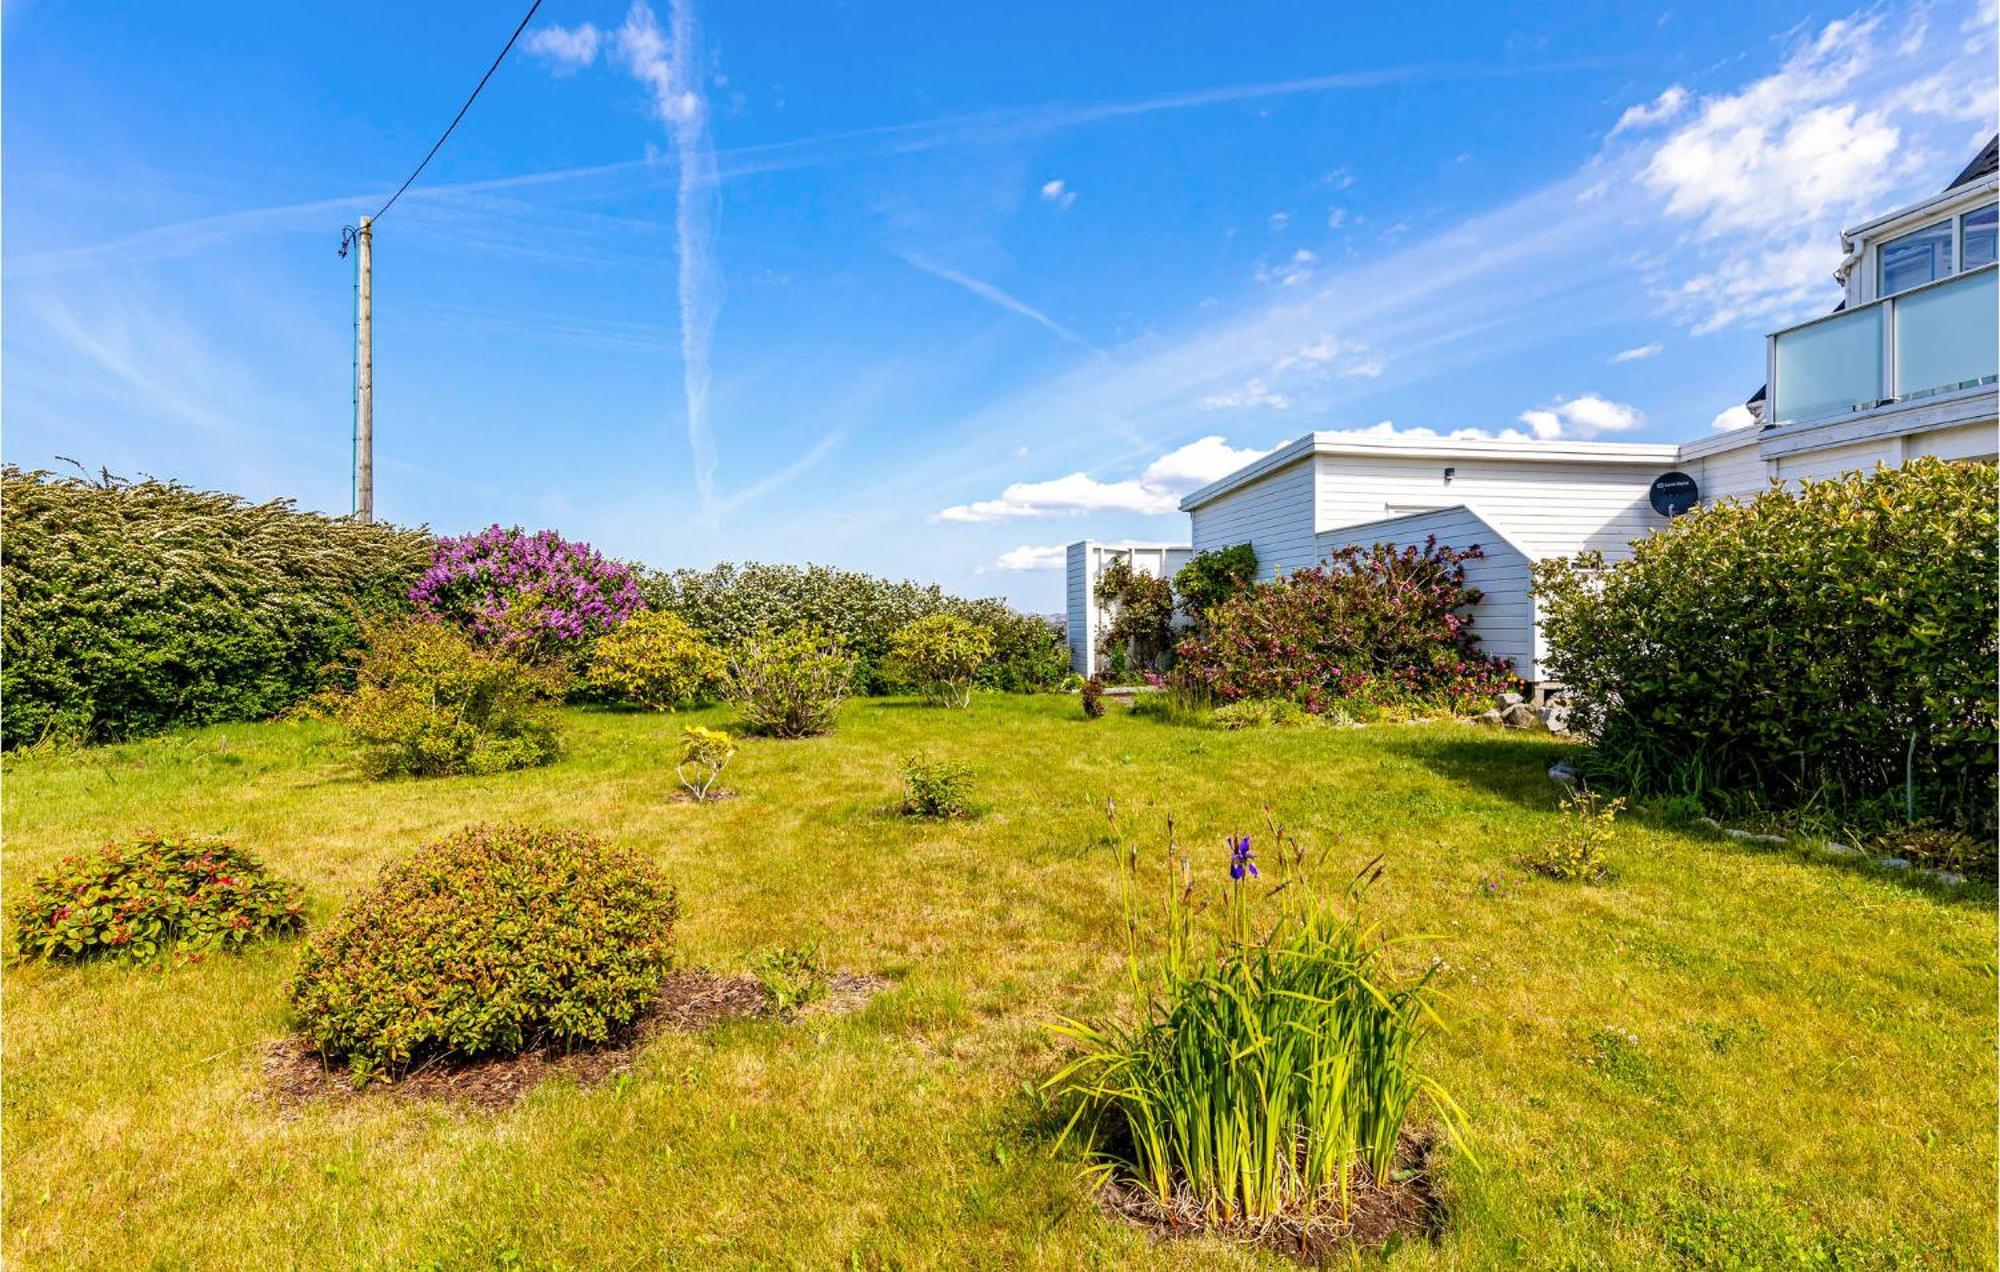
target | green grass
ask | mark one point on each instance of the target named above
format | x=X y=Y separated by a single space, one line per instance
x=1718 y=1057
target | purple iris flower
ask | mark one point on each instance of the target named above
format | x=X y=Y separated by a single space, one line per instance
x=1242 y=862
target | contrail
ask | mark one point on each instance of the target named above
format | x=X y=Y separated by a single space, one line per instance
x=988 y=292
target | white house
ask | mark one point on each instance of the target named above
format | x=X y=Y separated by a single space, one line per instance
x=1905 y=366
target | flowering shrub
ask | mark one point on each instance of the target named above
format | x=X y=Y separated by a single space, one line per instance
x=1141 y=630
x=1378 y=623
x=538 y=596
x=428 y=702
x=1577 y=851
x=488 y=942
x=133 y=607
x=704 y=754
x=133 y=902
x=656 y=660
x=1831 y=648
x=935 y=788
x=790 y=684
x=1092 y=694
x=940 y=654
x=730 y=605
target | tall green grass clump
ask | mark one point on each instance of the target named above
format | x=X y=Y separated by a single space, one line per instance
x=1266 y=1066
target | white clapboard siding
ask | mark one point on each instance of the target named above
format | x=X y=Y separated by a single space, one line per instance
x=1274 y=515
x=1550 y=508
x=1736 y=473
x=1085 y=619
x=1504 y=618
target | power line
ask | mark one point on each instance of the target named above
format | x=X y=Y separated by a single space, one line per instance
x=446 y=135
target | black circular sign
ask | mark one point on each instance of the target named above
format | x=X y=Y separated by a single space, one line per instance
x=1673 y=494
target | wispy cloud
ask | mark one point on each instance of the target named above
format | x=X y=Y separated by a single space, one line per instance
x=1058 y=192
x=1638 y=353
x=1651 y=114
x=995 y=296
x=564 y=50
x=1030 y=556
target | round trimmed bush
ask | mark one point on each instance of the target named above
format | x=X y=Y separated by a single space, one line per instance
x=132 y=902
x=489 y=942
x=655 y=660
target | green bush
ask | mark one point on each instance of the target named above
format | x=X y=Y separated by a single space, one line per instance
x=731 y=605
x=133 y=607
x=704 y=754
x=1214 y=576
x=654 y=659
x=1829 y=649
x=1141 y=631
x=488 y=942
x=792 y=976
x=1267 y=1062
x=935 y=788
x=134 y=902
x=1580 y=847
x=428 y=702
x=1092 y=694
x=790 y=684
x=941 y=654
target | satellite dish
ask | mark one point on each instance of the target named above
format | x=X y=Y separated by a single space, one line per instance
x=1673 y=494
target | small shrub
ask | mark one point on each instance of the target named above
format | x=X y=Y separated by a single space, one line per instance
x=1579 y=848
x=1093 y=698
x=134 y=902
x=1262 y=713
x=1267 y=1061
x=537 y=596
x=704 y=754
x=792 y=976
x=942 y=654
x=1382 y=624
x=790 y=684
x=1940 y=848
x=656 y=660
x=429 y=703
x=488 y=942
x=1141 y=630
x=935 y=788
x=1214 y=576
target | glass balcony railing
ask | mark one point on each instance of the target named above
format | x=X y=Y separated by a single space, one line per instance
x=1924 y=341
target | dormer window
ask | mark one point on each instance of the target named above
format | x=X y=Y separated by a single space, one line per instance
x=1919 y=257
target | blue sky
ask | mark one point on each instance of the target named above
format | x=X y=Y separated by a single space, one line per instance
x=921 y=289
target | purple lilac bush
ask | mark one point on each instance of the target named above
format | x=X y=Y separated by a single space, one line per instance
x=536 y=595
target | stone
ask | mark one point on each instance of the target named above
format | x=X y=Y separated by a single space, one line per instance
x=1562 y=771
x=1510 y=699
x=1893 y=863
x=1555 y=717
x=1708 y=823
x=1520 y=716
x=1842 y=850
x=1950 y=878
x=1488 y=717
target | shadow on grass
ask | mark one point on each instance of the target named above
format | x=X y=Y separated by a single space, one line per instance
x=1510 y=766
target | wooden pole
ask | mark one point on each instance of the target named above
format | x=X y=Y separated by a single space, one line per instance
x=364 y=373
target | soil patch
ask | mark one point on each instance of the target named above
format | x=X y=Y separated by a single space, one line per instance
x=691 y=1001
x=683 y=795
x=1405 y=1209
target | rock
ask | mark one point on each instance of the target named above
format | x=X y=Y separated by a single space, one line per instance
x=1488 y=717
x=1520 y=716
x=1950 y=878
x=1893 y=863
x=1734 y=833
x=1767 y=839
x=1708 y=823
x=1555 y=717
x=1510 y=699
x=1842 y=850
x=1562 y=771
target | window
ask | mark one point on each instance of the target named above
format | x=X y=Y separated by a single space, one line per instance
x=1979 y=245
x=1916 y=258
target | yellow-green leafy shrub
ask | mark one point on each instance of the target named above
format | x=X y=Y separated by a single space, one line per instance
x=656 y=660
x=941 y=654
x=936 y=788
x=487 y=942
x=705 y=753
x=134 y=902
x=1581 y=846
x=428 y=702
x=790 y=684
x=1830 y=648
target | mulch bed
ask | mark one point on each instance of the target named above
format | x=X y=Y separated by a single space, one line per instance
x=1406 y=1209
x=691 y=1001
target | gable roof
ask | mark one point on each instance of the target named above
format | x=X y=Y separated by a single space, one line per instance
x=1984 y=164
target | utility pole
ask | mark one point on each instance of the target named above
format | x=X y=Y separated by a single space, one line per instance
x=364 y=371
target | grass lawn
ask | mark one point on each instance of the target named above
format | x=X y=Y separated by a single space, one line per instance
x=1812 y=1081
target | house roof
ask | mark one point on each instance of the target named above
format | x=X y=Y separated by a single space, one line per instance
x=1362 y=445
x=1984 y=164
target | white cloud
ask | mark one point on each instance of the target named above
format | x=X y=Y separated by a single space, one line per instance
x=1417 y=433
x=988 y=292
x=1635 y=354
x=564 y=49
x=1735 y=417
x=1658 y=111
x=1581 y=417
x=1029 y=556
x=1335 y=218
x=1058 y=193
x=1279 y=220
x=1155 y=491
x=1329 y=356
x=1254 y=392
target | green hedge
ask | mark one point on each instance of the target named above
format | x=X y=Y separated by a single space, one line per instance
x=731 y=604
x=131 y=607
x=1801 y=650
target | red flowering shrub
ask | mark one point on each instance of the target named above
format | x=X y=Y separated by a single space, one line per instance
x=487 y=942
x=132 y=902
x=1381 y=623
